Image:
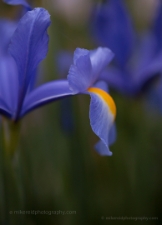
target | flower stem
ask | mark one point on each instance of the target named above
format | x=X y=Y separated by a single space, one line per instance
x=11 y=136
x=11 y=188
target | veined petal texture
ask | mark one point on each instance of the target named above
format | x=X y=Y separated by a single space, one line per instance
x=87 y=66
x=80 y=73
x=46 y=93
x=29 y=45
x=102 y=115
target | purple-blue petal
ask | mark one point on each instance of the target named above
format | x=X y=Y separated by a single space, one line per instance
x=102 y=149
x=121 y=81
x=4 y=110
x=80 y=74
x=102 y=85
x=101 y=120
x=100 y=146
x=8 y=82
x=18 y=2
x=29 y=46
x=112 y=28
x=87 y=66
x=157 y=31
x=149 y=72
x=46 y=93
x=7 y=28
x=100 y=58
x=78 y=53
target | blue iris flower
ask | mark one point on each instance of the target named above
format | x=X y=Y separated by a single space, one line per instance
x=136 y=61
x=28 y=47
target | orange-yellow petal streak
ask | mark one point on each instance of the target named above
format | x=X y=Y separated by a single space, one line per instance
x=106 y=97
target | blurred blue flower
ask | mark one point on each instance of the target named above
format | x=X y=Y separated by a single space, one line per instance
x=136 y=61
x=18 y=2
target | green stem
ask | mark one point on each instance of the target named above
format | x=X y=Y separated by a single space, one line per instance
x=11 y=136
x=11 y=185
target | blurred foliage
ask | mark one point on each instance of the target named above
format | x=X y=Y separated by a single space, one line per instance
x=60 y=170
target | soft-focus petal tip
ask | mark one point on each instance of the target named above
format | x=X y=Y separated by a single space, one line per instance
x=102 y=149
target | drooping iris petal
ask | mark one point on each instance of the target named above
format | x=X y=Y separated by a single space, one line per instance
x=80 y=74
x=102 y=114
x=112 y=134
x=18 y=2
x=29 y=45
x=112 y=27
x=46 y=93
x=101 y=148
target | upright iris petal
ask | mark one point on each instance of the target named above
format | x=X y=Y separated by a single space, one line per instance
x=112 y=27
x=87 y=67
x=157 y=31
x=102 y=114
x=31 y=36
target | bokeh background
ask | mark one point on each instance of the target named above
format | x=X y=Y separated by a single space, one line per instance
x=56 y=164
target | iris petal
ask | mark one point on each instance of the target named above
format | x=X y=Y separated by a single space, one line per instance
x=18 y=2
x=29 y=45
x=79 y=52
x=9 y=82
x=7 y=28
x=4 y=108
x=100 y=58
x=101 y=148
x=46 y=93
x=80 y=74
x=112 y=27
x=102 y=114
x=87 y=67
x=157 y=27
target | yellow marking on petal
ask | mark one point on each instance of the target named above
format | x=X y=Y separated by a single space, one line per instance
x=106 y=97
